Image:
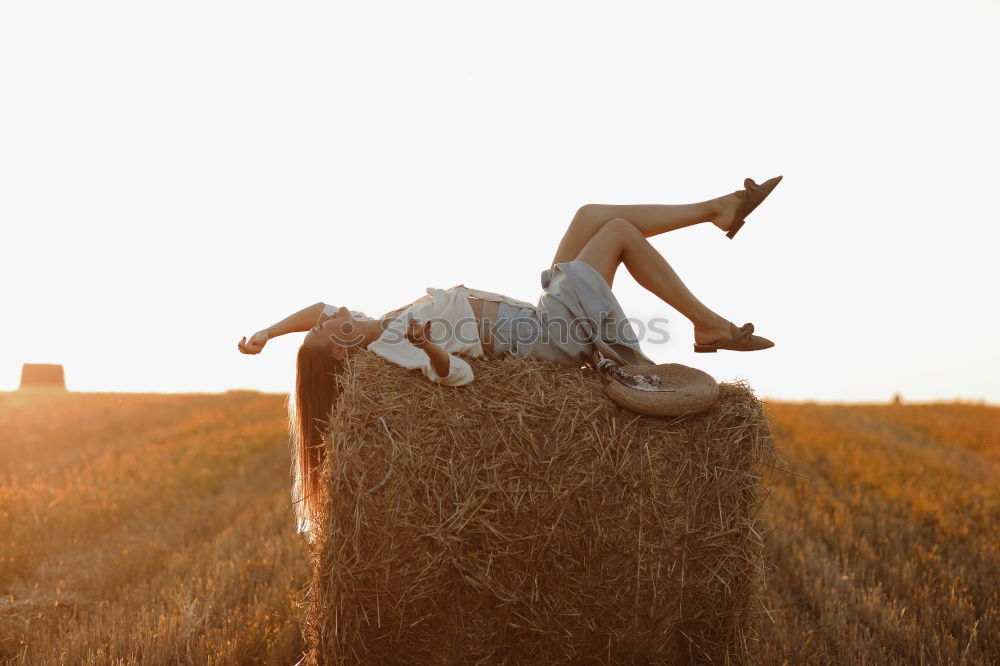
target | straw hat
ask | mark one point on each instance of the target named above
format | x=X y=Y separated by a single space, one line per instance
x=668 y=389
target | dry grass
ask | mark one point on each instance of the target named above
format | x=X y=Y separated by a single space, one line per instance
x=890 y=552
x=157 y=530
x=149 y=529
x=526 y=518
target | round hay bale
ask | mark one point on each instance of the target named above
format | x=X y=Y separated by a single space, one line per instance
x=685 y=390
x=42 y=375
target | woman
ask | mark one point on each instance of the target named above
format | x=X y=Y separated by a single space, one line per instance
x=576 y=316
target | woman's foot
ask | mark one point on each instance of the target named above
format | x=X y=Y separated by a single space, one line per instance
x=731 y=210
x=726 y=335
x=725 y=208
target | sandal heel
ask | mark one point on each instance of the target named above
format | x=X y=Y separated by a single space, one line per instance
x=705 y=349
x=732 y=230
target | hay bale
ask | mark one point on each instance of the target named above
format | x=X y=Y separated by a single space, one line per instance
x=526 y=518
x=42 y=375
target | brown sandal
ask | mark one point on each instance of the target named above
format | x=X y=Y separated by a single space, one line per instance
x=752 y=196
x=742 y=339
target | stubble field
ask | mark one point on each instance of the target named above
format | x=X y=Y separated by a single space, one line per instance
x=156 y=528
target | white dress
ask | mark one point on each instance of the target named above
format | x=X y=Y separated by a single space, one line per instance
x=453 y=328
x=576 y=315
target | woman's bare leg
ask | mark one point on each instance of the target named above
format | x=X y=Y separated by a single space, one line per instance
x=618 y=241
x=650 y=219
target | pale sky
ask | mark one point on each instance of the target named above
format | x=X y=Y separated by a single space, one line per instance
x=174 y=176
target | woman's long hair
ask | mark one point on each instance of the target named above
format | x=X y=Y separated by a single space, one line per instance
x=309 y=405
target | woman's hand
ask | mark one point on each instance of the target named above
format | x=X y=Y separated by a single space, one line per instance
x=418 y=333
x=255 y=343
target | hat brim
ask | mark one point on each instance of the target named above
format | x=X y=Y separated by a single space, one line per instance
x=687 y=390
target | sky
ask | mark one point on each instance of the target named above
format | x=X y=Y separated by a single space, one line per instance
x=174 y=176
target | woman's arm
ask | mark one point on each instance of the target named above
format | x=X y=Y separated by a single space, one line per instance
x=406 y=344
x=417 y=334
x=440 y=360
x=297 y=322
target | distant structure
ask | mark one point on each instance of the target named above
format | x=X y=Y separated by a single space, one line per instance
x=897 y=399
x=42 y=375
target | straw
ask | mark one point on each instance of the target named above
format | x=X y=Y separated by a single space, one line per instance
x=526 y=518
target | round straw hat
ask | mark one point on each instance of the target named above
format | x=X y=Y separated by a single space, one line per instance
x=681 y=390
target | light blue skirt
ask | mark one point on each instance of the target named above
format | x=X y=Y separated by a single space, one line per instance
x=576 y=316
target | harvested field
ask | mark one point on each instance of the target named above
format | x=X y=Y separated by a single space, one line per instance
x=146 y=529
x=140 y=529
